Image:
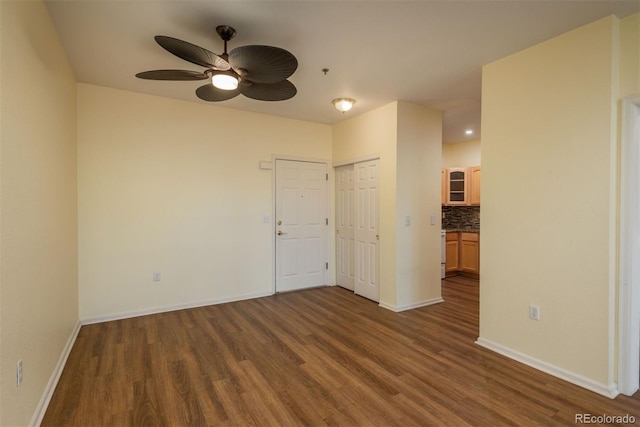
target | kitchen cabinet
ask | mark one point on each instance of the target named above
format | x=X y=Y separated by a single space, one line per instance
x=452 y=251
x=474 y=180
x=457 y=186
x=463 y=254
x=443 y=186
x=469 y=253
x=460 y=186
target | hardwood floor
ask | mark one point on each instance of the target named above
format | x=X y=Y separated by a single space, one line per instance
x=317 y=357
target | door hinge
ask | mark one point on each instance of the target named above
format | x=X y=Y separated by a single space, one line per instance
x=326 y=221
x=326 y=265
x=326 y=177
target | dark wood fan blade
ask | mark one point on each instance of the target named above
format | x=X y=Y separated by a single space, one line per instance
x=192 y=53
x=213 y=94
x=263 y=64
x=181 y=75
x=278 y=91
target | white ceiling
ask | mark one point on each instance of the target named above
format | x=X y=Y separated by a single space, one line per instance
x=425 y=52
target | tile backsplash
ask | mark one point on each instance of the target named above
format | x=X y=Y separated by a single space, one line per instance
x=461 y=217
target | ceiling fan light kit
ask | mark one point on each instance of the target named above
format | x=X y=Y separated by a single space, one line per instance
x=255 y=71
x=343 y=104
x=224 y=80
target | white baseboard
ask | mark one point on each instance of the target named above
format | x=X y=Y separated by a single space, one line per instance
x=610 y=391
x=405 y=307
x=41 y=409
x=167 y=308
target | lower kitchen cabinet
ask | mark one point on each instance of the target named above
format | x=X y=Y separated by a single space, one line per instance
x=452 y=250
x=463 y=253
x=469 y=253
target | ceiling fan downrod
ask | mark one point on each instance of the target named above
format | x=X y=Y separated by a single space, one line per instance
x=226 y=33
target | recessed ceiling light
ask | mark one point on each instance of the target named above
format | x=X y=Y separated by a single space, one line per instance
x=468 y=132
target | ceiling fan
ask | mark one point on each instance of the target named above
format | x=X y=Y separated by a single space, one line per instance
x=255 y=71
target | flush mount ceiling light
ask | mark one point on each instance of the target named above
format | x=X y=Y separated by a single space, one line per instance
x=468 y=132
x=343 y=104
x=224 y=80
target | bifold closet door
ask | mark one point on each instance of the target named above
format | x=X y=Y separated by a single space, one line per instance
x=366 y=234
x=345 y=220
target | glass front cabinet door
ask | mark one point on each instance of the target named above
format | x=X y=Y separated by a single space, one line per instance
x=457 y=186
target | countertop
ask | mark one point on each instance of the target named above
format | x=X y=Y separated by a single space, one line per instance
x=462 y=230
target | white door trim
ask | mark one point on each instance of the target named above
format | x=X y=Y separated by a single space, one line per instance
x=357 y=160
x=330 y=242
x=629 y=266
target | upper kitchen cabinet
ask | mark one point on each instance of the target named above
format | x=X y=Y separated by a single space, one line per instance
x=474 y=179
x=457 y=186
x=443 y=186
x=461 y=186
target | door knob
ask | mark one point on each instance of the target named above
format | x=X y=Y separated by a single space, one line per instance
x=280 y=232
x=377 y=237
x=279 y=222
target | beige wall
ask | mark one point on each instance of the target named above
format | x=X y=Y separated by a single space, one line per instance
x=408 y=140
x=548 y=201
x=175 y=187
x=630 y=55
x=461 y=154
x=375 y=134
x=367 y=134
x=419 y=157
x=2 y=106
x=38 y=250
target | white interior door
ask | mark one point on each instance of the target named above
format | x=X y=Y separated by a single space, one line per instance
x=301 y=225
x=345 y=218
x=366 y=229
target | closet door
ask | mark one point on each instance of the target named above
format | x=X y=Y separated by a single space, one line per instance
x=345 y=218
x=366 y=234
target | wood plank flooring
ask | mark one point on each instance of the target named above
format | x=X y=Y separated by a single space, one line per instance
x=317 y=357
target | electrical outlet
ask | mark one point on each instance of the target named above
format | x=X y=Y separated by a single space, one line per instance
x=156 y=276
x=534 y=312
x=19 y=373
